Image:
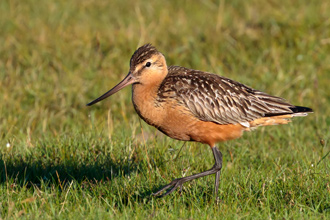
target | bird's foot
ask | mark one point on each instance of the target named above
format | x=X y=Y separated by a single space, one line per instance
x=171 y=186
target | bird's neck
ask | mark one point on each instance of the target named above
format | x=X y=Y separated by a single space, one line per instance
x=144 y=98
x=147 y=88
x=145 y=93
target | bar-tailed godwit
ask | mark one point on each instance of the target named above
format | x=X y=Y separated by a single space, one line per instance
x=191 y=105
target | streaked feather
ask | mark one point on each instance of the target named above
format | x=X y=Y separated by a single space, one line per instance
x=210 y=97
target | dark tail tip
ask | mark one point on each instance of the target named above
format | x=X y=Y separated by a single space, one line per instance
x=297 y=109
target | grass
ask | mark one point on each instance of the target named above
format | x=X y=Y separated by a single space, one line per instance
x=61 y=159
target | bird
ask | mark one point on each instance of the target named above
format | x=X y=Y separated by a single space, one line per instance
x=192 y=105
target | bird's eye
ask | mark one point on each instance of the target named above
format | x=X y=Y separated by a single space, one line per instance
x=148 y=64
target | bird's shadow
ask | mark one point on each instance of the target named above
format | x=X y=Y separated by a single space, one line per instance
x=61 y=174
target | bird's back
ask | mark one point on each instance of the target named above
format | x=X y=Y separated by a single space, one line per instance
x=214 y=98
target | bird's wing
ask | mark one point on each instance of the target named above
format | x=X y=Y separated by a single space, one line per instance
x=210 y=97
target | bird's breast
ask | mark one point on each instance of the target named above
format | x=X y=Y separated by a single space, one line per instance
x=166 y=115
x=145 y=103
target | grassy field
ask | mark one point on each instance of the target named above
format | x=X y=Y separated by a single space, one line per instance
x=61 y=159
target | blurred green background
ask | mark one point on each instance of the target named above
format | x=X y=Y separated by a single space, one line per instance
x=56 y=56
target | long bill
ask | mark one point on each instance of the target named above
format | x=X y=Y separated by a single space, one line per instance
x=129 y=79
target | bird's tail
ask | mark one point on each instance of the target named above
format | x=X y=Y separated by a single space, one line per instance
x=300 y=111
x=280 y=118
x=295 y=111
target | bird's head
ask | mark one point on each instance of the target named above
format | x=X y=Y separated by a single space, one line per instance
x=147 y=67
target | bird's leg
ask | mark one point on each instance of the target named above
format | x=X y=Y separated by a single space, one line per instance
x=216 y=185
x=218 y=160
x=178 y=182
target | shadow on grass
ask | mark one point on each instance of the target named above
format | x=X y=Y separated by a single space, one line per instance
x=31 y=172
x=38 y=171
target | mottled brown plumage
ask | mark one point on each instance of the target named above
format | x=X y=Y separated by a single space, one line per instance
x=192 y=105
x=218 y=99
